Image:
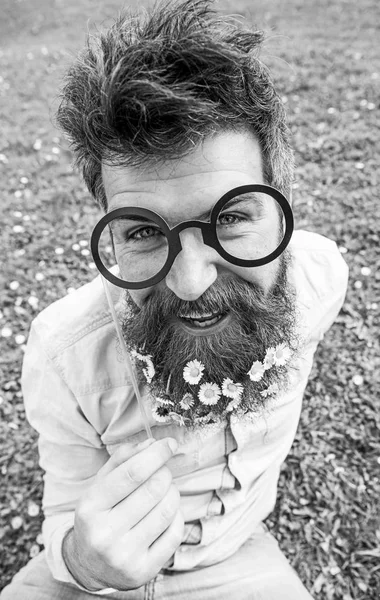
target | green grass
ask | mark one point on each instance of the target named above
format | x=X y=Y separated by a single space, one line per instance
x=325 y=60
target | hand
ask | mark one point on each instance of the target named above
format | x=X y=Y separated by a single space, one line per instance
x=128 y=523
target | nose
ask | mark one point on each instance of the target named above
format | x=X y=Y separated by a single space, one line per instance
x=195 y=267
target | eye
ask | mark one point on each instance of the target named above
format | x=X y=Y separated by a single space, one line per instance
x=229 y=219
x=144 y=233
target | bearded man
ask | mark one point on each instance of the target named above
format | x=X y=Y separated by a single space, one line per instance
x=182 y=140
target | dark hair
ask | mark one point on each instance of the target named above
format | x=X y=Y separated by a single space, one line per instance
x=153 y=86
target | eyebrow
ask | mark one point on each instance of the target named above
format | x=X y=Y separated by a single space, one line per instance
x=205 y=215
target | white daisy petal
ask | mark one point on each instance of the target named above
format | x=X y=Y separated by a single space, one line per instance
x=231 y=389
x=256 y=371
x=193 y=371
x=281 y=355
x=209 y=393
x=269 y=358
x=187 y=401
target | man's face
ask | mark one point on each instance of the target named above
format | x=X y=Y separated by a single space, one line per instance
x=182 y=190
x=206 y=309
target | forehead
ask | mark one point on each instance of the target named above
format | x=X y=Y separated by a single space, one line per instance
x=180 y=188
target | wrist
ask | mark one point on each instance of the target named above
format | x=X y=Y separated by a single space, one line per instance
x=74 y=565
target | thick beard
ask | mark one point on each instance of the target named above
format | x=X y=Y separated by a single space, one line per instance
x=258 y=322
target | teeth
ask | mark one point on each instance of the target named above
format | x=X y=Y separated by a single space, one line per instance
x=203 y=323
x=194 y=317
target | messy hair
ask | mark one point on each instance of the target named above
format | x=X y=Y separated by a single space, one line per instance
x=153 y=86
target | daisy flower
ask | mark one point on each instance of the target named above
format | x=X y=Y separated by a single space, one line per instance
x=160 y=413
x=231 y=389
x=149 y=371
x=164 y=401
x=271 y=389
x=193 y=371
x=178 y=418
x=209 y=393
x=269 y=358
x=256 y=371
x=233 y=404
x=187 y=401
x=281 y=355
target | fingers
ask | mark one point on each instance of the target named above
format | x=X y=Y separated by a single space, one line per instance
x=123 y=453
x=155 y=523
x=167 y=543
x=130 y=511
x=128 y=475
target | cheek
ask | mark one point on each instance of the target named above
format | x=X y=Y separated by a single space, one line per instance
x=264 y=276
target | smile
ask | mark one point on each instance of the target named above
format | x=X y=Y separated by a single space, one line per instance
x=204 y=324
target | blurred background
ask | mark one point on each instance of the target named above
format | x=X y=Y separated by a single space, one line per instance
x=325 y=61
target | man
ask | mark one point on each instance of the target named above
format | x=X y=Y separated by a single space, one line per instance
x=182 y=140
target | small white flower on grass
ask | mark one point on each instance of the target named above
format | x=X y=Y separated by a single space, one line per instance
x=39 y=276
x=256 y=371
x=357 y=380
x=358 y=285
x=24 y=180
x=3 y=159
x=55 y=150
x=59 y=251
x=231 y=389
x=33 y=509
x=18 y=194
x=6 y=332
x=18 y=229
x=187 y=401
x=366 y=271
x=85 y=252
x=192 y=373
x=14 y=285
x=83 y=243
x=17 y=522
x=34 y=551
x=281 y=355
x=37 y=144
x=209 y=393
x=20 y=339
x=40 y=539
x=75 y=247
x=33 y=301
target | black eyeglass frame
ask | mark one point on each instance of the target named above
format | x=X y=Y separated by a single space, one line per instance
x=208 y=230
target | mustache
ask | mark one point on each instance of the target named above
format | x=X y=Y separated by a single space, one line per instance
x=228 y=294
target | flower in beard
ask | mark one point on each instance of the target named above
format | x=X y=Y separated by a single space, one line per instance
x=269 y=359
x=161 y=413
x=193 y=371
x=281 y=355
x=149 y=370
x=231 y=389
x=233 y=404
x=164 y=401
x=271 y=389
x=179 y=419
x=209 y=393
x=256 y=371
x=187 y=402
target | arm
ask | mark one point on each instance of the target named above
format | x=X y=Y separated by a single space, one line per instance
x=71 y=452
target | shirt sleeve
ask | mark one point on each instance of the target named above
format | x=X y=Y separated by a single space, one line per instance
x=70 y=450
x=327 y=276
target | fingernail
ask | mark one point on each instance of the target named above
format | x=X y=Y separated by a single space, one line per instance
x=173 y=445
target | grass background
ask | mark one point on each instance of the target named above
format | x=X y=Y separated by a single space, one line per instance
x=325 y=60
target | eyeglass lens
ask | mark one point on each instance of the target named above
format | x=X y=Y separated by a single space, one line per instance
x=249 y=227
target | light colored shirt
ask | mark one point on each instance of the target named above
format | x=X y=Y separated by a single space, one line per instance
x=78 y=397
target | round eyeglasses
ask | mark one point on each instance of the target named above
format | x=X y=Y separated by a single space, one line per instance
x=249 y=226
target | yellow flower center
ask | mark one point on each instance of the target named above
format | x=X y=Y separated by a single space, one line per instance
x=209 y=393
x=194 y=372
x=231 y=387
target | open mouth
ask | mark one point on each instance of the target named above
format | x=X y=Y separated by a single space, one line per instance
x=204 y=323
